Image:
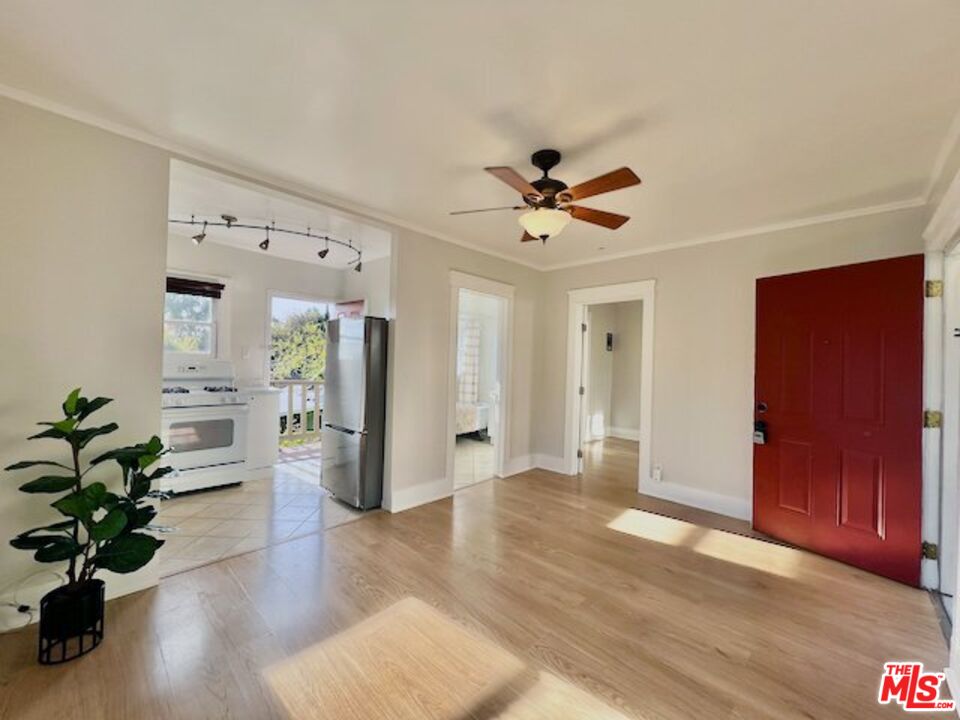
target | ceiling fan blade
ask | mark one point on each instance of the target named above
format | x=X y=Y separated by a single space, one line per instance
x=597 y=217
x=527 y=237
x=622 y=178
x=514 y=179
x=505 y=207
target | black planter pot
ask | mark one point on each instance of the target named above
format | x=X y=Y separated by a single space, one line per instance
x=71 y=621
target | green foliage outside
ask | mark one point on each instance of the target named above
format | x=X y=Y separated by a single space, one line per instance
x=187 y=324
x=299 y=346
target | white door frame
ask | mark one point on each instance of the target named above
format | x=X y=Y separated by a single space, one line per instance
x=462 y=281
x=950 y=431
x=644 y=291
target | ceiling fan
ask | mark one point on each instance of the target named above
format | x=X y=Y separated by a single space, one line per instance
x=550 y=201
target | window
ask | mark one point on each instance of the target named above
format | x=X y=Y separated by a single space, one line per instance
x=189 y=317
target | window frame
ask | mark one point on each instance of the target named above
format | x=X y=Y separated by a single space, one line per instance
x=219 y=312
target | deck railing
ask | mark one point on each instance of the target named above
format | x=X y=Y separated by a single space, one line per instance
x=300 y=408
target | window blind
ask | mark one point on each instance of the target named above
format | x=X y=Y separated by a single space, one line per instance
x=188 y=286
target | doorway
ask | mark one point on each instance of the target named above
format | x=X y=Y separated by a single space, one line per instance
x=838 y=412
x=611 y=379
x=618 y=317
x=480 y=324
x=297 y=334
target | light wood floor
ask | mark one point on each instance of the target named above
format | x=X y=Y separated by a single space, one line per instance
x=539 y=596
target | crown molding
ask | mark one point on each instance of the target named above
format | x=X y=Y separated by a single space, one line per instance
x=947 y=147
x=749 y=232
x=247 y=174
x=392 y=223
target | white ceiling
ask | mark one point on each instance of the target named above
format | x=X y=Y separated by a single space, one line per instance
x=736 y=114
x=206 y=195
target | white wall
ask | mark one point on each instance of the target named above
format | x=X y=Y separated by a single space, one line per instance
x=83 y=231
x=420 y=360
x=249 y=278
x=704 y=340
x=613 y=382
x=599 y=386
x=625 y=385
x=373 y=285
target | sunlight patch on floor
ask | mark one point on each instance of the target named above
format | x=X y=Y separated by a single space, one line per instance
x=728 y=547
x=410 y=661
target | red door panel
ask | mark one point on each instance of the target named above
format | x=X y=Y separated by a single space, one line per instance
x=839 y=385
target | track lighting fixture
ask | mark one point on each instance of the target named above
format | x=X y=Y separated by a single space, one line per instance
x=230 y=221
x=200 y=236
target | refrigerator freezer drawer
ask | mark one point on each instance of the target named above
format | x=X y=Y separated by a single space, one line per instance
x=341 y=471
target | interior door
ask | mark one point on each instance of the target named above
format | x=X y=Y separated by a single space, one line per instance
x=839 y=398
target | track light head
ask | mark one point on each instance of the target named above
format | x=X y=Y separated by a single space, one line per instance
x=358 y=266
x=323 y=253
x=265 y=243
x=200 y=236
x=229 y=220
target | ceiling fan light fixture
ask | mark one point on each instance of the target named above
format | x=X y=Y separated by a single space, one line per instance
x=544 y=223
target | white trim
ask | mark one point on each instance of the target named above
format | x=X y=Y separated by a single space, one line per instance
x=242 y=172
x=222 y=316
x=463 y=281
x=943 y=231
x=932 y=400
x=624 y=433
x=645 y=291
x=746 y=232
x=417 y=495
x=312 y=194
x=949 y=142
x=950 y=433
x=550 y=462
x=517 y=465
x=735 y=507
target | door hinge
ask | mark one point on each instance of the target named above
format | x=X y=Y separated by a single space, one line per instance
x=581 y=390
x=583 y=327
x=932 y=419
x=929 y=551
x=933 y=288
x=579 y=454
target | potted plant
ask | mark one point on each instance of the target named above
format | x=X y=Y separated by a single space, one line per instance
x=103 y=530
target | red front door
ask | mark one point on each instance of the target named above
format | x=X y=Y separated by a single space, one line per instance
x=838 y=386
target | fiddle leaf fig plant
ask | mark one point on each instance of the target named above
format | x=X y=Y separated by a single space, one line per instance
x=102 y=529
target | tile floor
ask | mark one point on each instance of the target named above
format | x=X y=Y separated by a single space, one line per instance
x=473 y=461
x=215 y=524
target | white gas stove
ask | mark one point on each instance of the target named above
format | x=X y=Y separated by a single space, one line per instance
x=204 y=424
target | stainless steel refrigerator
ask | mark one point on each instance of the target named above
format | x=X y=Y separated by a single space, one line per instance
x=354 y=412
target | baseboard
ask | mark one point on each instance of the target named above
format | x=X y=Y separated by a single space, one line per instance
x=551 y=463
x=929 y=574
x=704 y=499
x=517 y=465
x=624 y=433
x=417 y=495
x=31 y=592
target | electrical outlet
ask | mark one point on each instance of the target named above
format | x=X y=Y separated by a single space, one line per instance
x=658 y=473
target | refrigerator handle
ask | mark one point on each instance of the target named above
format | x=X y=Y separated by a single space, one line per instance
x=340 y=428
